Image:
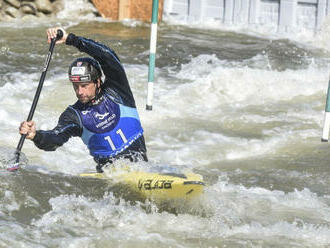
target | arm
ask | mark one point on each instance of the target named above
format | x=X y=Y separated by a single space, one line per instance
x=68 y=126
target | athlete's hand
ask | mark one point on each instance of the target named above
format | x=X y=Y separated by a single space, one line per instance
x=52 y=32
x=28 y=128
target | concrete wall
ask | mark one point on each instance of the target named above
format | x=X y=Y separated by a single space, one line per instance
x=281 y=15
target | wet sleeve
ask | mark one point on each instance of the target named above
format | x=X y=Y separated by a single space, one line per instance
x=68 y=126
x=115 y=76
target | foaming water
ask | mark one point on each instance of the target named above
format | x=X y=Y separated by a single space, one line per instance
x=322 y=37
x=256 y=110
x=257 y=213
x=79 y=9
x=246 y=112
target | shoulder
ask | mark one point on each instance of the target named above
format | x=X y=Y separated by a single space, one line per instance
x=113 y=95
x=70 y=115
x=120 y=95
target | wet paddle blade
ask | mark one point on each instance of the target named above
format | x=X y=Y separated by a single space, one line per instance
x=8 y=158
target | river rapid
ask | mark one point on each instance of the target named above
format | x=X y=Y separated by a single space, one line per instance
x=243 y=109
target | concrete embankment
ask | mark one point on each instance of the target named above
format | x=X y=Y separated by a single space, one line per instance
x=111 y=9
x=10 y=9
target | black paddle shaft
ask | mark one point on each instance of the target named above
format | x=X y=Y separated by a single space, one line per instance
x=36 y=96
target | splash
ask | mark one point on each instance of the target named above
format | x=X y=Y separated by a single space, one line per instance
x=77 y=9
x=8 y=158
x=323 y=36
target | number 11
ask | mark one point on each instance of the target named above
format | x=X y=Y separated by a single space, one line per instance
x=122 y=136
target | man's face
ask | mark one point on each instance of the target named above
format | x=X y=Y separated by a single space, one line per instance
x=85 y=91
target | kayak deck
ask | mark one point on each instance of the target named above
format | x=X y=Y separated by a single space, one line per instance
x=155 y=185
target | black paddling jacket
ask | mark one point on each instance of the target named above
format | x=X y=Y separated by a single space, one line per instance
x=115 y=85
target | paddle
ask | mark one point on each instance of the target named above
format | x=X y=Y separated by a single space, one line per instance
x=36 y=98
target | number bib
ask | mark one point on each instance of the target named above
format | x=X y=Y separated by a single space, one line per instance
x=109 y=128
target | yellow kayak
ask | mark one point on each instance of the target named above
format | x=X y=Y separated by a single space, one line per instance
x=164 y=185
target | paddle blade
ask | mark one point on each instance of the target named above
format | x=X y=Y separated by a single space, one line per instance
x=14 y=167
x=8 y=159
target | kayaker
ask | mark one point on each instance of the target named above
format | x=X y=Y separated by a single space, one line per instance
x=105 y=115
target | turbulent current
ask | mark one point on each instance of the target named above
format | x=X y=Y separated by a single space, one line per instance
x=245 y=110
